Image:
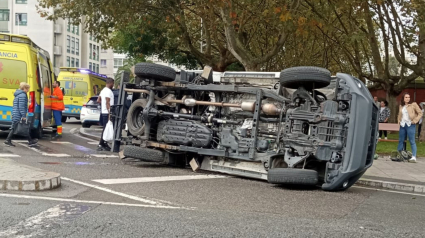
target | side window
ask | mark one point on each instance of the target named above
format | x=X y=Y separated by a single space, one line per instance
x=47 y=81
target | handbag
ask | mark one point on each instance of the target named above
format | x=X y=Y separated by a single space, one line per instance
x=22 y=128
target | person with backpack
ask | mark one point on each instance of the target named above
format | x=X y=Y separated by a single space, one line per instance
x=19 y=112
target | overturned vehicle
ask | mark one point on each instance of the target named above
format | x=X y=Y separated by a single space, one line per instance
x=299 y=127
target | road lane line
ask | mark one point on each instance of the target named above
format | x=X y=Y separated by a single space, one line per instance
x=390 y=191
x=104 y=156
x=93 y=142
x=85 y=138
x=144 y=200
x=60 y=142
x=39 y=224
x=92 y=202
x=157 y=179
x=9 y=155
x=43 y=153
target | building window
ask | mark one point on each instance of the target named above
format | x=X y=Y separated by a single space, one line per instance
x=73 y=45
x=90 y=66
x=118 y=63
x=4 y=14
x=97 y=53
x=73 y=29
x=91 y=51
x=68 y=28
x=21 y=19
x=94 y=52
x=103 y=63
x=21 y=1
x=77 y=29
x=72 y=62
x=77 y=46
x=77 y=63
x=68 y=44
x=97 y=68
x=91 y=37
x=67 y=61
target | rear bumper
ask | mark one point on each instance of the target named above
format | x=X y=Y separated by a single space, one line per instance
x=361 y=140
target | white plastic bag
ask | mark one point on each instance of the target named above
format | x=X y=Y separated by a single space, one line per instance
x=108 y=134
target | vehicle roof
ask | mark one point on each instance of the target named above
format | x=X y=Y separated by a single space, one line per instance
x=30 y=43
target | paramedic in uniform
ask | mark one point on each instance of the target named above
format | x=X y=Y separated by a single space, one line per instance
x=57 y=108
x=106 y=100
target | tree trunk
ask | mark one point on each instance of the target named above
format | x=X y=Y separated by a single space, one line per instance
x=392 y=105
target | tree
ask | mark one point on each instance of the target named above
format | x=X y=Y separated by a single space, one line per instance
x=213 y=32
x=128 y=66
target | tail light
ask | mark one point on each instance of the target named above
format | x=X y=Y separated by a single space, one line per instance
x=32 y=102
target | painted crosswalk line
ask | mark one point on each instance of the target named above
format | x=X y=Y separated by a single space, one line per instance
x=104 y=156
x=157 y=179
x=44 y=153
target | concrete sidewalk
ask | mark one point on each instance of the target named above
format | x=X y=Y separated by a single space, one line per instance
x=15 y=176
x=384 y=174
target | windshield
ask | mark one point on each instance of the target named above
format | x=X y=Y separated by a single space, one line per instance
x=12 y=73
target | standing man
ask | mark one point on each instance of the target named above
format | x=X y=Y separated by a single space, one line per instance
x=57 y=107
x=377 y=103
x=106 y=100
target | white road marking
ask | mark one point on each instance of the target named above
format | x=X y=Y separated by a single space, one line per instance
x=93 y=142
x=9 y=155
x=91 y=202
x=20 y=141
x=144 y=200
x=36 y=225
x=156 y=179
x=85 y=138
x=390 y=191
x=104 y=156
x=60 y=142
x=43 y=153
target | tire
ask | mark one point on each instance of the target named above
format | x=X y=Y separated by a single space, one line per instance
x=135 y=122
x=293 y=176
x=64 y=119
x=144 y=154
x=85 y=125
x=307 y=76
x=155 y=72
x=37 y=133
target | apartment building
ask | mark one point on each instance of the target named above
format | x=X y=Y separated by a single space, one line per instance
x=68 y=45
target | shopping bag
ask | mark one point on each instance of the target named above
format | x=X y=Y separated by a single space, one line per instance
x=22 y=128
x=108 y=134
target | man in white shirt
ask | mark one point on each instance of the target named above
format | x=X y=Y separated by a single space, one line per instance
x=106 y=100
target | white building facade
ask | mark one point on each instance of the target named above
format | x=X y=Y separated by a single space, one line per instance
x=67 y=44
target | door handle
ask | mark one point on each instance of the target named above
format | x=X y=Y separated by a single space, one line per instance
x=3 y=98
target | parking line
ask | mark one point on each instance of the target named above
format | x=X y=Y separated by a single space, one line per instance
x=60 y=142
x=91 y=202
x=104 y=156
x=9 y=155
x=139 y=199
x=43 y=153
x=157 y=179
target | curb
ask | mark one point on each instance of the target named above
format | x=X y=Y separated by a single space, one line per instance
x=88 y=135
x=414 y=188
x=19 y=177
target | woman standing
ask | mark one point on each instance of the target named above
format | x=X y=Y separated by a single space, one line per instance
x=384 y=116
x=408 y=116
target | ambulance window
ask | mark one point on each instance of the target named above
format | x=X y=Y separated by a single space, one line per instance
x=75 y=89
x=47 y=81
x=12 y=73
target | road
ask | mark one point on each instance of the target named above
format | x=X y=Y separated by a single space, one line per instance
x=102 y=196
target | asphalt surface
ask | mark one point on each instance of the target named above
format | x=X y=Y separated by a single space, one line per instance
x=217 y=207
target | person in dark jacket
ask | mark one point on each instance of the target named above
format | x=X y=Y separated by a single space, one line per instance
x=19 y=112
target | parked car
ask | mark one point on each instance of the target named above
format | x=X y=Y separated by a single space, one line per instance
x=299 y=126
x=90 y=113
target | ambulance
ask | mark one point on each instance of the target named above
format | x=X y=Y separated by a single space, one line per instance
x=21 y=60
x=80 y=85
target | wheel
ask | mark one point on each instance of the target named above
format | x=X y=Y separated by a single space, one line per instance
x=135 y=123
x=64 y=119
x=144 y=154
x=306 y=76
x=86 y=125
x=293 y=176
x=155 y=71
x=37 y=133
